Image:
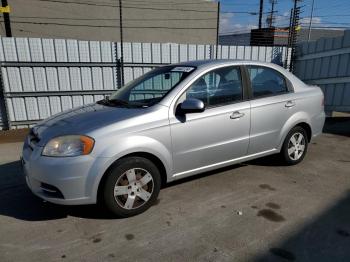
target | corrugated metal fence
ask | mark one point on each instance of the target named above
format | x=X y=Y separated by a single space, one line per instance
x=326 y=63
x=41 y=77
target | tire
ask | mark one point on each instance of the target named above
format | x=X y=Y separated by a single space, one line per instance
x=289 y=153
x=132 y=186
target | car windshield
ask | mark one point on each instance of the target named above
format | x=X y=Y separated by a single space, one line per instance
x=150 y=88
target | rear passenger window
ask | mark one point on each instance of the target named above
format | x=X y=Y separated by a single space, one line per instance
x=266 y=81
x=218 y=87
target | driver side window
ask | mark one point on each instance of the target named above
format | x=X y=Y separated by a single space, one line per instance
x=218 y=87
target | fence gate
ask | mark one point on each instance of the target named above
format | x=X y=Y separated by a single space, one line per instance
x=326 y=63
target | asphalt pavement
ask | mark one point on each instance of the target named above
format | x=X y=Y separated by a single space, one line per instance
x=255 y=211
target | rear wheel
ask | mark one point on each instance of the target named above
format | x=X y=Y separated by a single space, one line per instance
x=132 y=186
x=295 y=146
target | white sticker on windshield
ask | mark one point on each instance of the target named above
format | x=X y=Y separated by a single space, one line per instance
x=185 y=69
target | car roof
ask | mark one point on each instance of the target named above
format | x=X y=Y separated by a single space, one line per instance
x=215 y=62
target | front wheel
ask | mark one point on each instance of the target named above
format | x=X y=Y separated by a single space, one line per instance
x=132 y=186
x=295 y=146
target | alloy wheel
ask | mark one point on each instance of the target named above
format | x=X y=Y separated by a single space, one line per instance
x=133 y=188
x=296 y=146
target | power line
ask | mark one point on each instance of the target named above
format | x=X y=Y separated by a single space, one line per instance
x=168 y=9
x=110 y=19
x=78 y=3
x=243 y=31
x=245 y=12
x=199 y=2
x=186 y=3
x=128 y=7
x=331 y=27
x=329 y=22
x=148 y=8
x=167 y=3
x=328 y=15
x=109 y=26
x=328 y=7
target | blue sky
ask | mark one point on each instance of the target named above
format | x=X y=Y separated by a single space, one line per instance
x=327 y=13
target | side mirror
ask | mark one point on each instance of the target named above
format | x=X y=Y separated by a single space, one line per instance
x=192 y=105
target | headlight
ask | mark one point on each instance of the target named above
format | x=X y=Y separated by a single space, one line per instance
x=73 y=145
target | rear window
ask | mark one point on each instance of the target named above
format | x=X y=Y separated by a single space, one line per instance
x=266 y=81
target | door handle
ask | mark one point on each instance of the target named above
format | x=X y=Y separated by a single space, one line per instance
x=290 y=104
x=236 y=115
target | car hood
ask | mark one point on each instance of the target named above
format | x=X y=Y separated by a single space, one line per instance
x=82 y=121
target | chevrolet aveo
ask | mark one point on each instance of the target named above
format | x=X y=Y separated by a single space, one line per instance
x=174 y=121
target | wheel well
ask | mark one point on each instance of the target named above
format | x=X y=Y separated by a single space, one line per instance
x=159 y=164
x=307 y=128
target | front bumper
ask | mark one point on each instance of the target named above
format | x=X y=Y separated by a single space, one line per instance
x=62 y=180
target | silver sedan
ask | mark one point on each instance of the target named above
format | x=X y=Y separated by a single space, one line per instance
x=173 y=122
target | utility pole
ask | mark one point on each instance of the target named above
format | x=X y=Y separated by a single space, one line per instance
x=217 y=30
x=293 y=32
x=295 y=5
x=290 y=27
x=261 y=12
x=6 y=19
x=121 y=41
x=310 y=24
x=271 y=18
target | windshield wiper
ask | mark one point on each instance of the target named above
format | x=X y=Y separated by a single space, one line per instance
x=120 y=102
x=113 y=102
x=153 y=101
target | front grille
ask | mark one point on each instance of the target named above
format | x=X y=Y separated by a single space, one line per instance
x=51 y=191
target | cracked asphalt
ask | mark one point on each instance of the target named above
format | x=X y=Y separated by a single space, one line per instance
x=255 y=211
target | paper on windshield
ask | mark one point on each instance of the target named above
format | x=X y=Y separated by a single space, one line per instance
x=185 y=69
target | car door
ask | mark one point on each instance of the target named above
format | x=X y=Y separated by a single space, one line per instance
x=221 y=132
x=272 y=104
